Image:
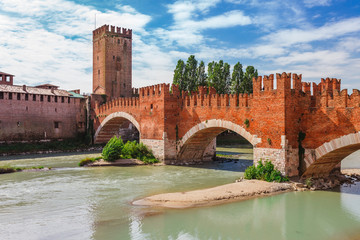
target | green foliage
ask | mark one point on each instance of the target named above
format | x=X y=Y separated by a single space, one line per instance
x=269 y=141
x=112 y=149
x=219 y=76
x=247 y=123
x=247 y=84
x=265 y=172
x=8 y=169
x=237 y=78
x=308 y=182
x=201 y=75
x=116 y=149
x=138 y=151
x=191 y=75
x=88 y=160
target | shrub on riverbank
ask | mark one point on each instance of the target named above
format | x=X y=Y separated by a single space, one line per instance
x=10 y=169
x=116 y=149
x=265 y=172
x=113 y=149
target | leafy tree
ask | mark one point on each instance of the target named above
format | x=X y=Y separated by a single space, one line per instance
x=190 y=74
x=219 y=76
x=237 y=78
x=201 y=75
x=179 y=75
x=247 y=85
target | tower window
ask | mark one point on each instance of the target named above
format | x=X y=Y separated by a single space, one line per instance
x=62 y=99
x=41 y=98
x=34 y=97
x=55 y=98
x=56 y=124
x=98 y=71
x=118 y=41
x=113 y=57
x=26 y=97
x=18 y=96
x=49 y=98
x=1 y=95
x=10 y=96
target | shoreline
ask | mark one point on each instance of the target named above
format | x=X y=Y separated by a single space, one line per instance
x=238 y=191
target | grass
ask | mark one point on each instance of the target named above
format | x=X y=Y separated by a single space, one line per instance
x=88 y=160
x=10 y=169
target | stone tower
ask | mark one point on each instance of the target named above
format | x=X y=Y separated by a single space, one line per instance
x=112 y=61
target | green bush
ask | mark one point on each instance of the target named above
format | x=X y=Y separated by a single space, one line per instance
x=113 y=149
x=130 y=149
x=265 y=172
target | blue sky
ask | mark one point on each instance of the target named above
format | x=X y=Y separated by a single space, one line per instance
x=50 y=41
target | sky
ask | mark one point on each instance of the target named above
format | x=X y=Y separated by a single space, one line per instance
x=50 y=41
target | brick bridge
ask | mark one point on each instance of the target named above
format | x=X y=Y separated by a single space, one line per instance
x=303 y=133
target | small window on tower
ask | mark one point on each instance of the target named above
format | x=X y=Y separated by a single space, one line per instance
x=10 y=96
x=113 y=57
x=124 y=85
x=1 y=95
x=49 y=98
x=41 y=98
x=18 y=96
x=26 y=97
x=98 y=71
x=118 y=41
x=56 y=124
x=34 y=97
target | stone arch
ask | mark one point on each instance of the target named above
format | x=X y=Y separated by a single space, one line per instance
x=324 y=159
x=193 y=144
x=111 y=123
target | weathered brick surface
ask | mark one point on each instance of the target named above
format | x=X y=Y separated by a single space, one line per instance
x=112 y=61
x=28 y=120
x=188 y=123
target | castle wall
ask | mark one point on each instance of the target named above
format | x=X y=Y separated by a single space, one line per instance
x=29 y=120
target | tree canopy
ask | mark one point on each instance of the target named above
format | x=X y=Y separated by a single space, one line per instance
x=191 y=75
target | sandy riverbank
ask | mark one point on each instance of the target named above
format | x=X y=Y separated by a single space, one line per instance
x=211 y=196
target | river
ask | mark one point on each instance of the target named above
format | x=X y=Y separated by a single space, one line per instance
x=71 y=202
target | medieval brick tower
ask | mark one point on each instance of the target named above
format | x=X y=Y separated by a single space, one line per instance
x=112 y=61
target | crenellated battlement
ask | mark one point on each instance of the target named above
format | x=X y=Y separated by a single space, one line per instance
x=117 y=31
x=155 y=90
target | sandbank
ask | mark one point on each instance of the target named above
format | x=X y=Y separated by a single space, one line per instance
x=243 y=190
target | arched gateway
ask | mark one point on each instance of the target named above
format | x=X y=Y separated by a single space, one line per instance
x=198 y=144
x=111 y=124
x=299 y=130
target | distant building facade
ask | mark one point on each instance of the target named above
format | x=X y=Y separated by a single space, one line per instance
x=42 y=112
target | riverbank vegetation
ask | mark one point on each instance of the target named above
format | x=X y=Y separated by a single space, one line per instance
x=88 y=160
x=115 y=149
x=34 y=147
x=10 y=169
x=265 y=172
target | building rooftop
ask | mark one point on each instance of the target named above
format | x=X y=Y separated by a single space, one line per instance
x=36 y=90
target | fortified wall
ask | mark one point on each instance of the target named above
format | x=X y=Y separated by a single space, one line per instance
x=39 y=113
x=284 y=124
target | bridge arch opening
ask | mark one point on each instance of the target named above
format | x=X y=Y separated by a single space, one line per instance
x=199 y=143
x=118 y=124
x=328 y=157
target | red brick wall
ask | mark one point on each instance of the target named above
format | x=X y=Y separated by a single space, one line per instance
x=112 y=62
x=34 y=120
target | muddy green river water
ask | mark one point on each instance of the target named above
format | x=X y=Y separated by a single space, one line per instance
x=71 y=202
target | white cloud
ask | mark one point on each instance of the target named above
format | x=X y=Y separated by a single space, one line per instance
x=314 y=3
x=51 y=40
x=289 y=37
